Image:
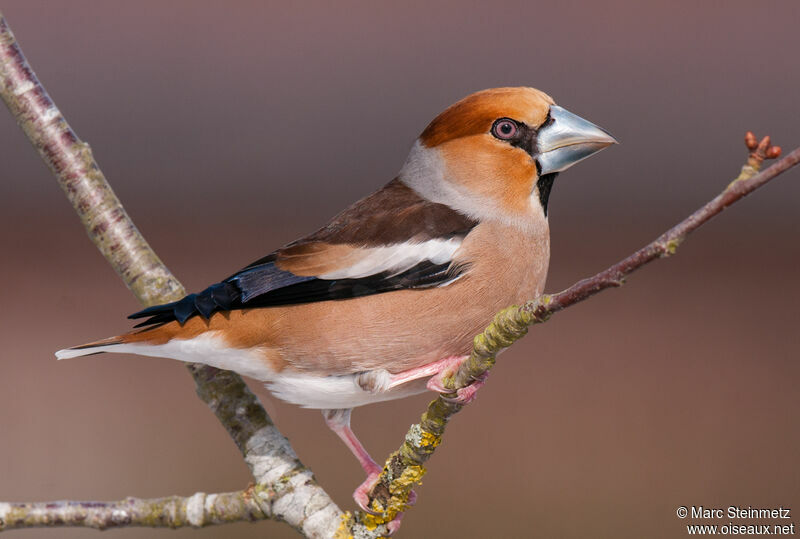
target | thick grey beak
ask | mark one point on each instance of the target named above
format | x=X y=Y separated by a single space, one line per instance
x=568 y=139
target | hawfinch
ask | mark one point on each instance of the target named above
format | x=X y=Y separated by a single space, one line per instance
x=384 y=300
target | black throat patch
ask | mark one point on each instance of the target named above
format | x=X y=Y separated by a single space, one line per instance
x=544 y=184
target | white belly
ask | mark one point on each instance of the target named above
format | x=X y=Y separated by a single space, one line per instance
x=306 y=390
x=333 y=392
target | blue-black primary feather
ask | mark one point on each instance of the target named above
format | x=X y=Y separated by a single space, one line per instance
x=266 y=285
x=392 y=215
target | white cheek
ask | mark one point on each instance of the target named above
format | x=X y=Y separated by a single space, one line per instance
x=425 y=171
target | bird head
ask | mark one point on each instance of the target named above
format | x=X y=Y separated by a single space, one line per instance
x=494 y=154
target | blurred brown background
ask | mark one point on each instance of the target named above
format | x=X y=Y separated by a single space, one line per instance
x=228 y=131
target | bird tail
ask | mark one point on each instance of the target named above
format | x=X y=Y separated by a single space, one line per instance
x=96 y=347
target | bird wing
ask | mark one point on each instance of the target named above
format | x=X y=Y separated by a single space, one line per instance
x=391 y=240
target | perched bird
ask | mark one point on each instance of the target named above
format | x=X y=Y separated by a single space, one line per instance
x=384 y=300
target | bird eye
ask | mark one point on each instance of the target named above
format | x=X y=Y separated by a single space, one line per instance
x=504 y=129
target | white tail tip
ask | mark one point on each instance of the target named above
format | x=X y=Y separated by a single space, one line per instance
x=78 y=352
x=66 y=354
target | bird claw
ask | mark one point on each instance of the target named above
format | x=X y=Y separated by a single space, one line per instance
x=394 y=525
x=361 y=494
x=361 y=497
x=464 y=395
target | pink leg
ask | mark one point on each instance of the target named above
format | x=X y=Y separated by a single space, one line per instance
x=425 y=371
x=448 y=367
x=381 y=380
x=418 y=372
x=339 y=422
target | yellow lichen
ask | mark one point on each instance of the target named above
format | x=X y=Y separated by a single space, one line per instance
x=411 y=475
x=371 y=522
x=428 y=440
x=672 y=245
x=343 y=532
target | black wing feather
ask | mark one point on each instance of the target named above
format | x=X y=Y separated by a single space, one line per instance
x=268 y=286
x=256 y=280
x=389 y=216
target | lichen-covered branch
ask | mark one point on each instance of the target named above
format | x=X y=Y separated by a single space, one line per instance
x=404 y=468
x=293 y=494
x=196 y=511
x=299 y=499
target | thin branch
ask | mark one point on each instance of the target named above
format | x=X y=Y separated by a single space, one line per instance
x=197 y=511
x=70 y=160
x=404 y=468
x=666 y=244
x=268 y=453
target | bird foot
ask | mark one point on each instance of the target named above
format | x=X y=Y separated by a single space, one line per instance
x=380 y=380
x=394 y=525
x=464 y=395
x=361 y=497
x=361 y=494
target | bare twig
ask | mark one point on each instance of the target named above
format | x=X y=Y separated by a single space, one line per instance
x=275 y=467
x=404 y=468
x=70 y=160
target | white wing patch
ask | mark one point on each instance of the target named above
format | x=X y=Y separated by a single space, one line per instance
x=397 y=258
